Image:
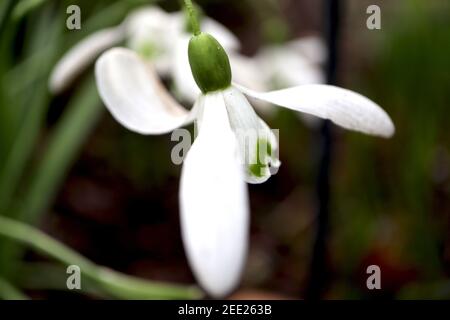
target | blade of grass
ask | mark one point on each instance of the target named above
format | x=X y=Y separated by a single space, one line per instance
x=64 y=144
x=21 y=149
x=4 y=11
x=25 y=6
x=9 y=292
x=112 y=282
x=51 y=276
x=32 y=105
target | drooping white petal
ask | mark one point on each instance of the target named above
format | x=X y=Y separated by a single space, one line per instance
x=214 y=202
x=133 y=93
x=185 y=85
x=258 y=145
x=346 y=108
x=83 y=54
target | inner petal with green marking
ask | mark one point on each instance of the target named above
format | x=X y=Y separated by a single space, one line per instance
x=263 y=159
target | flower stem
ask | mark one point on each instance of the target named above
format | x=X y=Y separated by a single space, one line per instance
x=116 y=284
x=192 y=17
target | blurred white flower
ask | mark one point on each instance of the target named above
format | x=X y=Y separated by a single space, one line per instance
x=159 y=37
x=295 y=63
x=292 y=64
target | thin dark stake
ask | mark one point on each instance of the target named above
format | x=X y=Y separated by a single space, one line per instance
x=320 y=273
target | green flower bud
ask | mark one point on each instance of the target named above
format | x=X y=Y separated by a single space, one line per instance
x=209 y=63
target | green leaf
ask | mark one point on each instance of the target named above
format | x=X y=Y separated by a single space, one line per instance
x=9 y=292
x=25 y=6
x=117 y=284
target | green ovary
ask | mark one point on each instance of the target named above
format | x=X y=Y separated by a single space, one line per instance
x=209 y=63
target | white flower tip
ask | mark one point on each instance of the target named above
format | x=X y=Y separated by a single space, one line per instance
x=219 y=287
x=57 y=82
x=389 y=130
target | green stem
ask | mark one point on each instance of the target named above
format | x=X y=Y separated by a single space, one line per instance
x=192 y=17
x=114 y=283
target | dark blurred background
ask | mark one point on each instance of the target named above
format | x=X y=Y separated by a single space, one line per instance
x=114 y=198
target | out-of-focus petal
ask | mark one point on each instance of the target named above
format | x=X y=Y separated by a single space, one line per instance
x=345 y=108
x=311 y=47
x=214 y=202
x=152 y=17
x=246 y=71
x=185 y=85
x=225 y=37
x=222 y=34
x=285 y=67
x=81 y=55
x=133 y=93
x=152 y=33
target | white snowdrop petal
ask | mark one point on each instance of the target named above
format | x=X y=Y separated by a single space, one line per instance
x=214 y=202
x=257 y=143
x=345 y=108
x=133 y=93
x=81 y=55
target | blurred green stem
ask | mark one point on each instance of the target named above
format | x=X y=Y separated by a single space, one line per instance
x=117 y=284
x=192 y=17
x=52 y=276
x=9 y=292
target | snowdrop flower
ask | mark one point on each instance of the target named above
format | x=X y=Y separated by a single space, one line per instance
x=233 y=144
x=159 y=37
